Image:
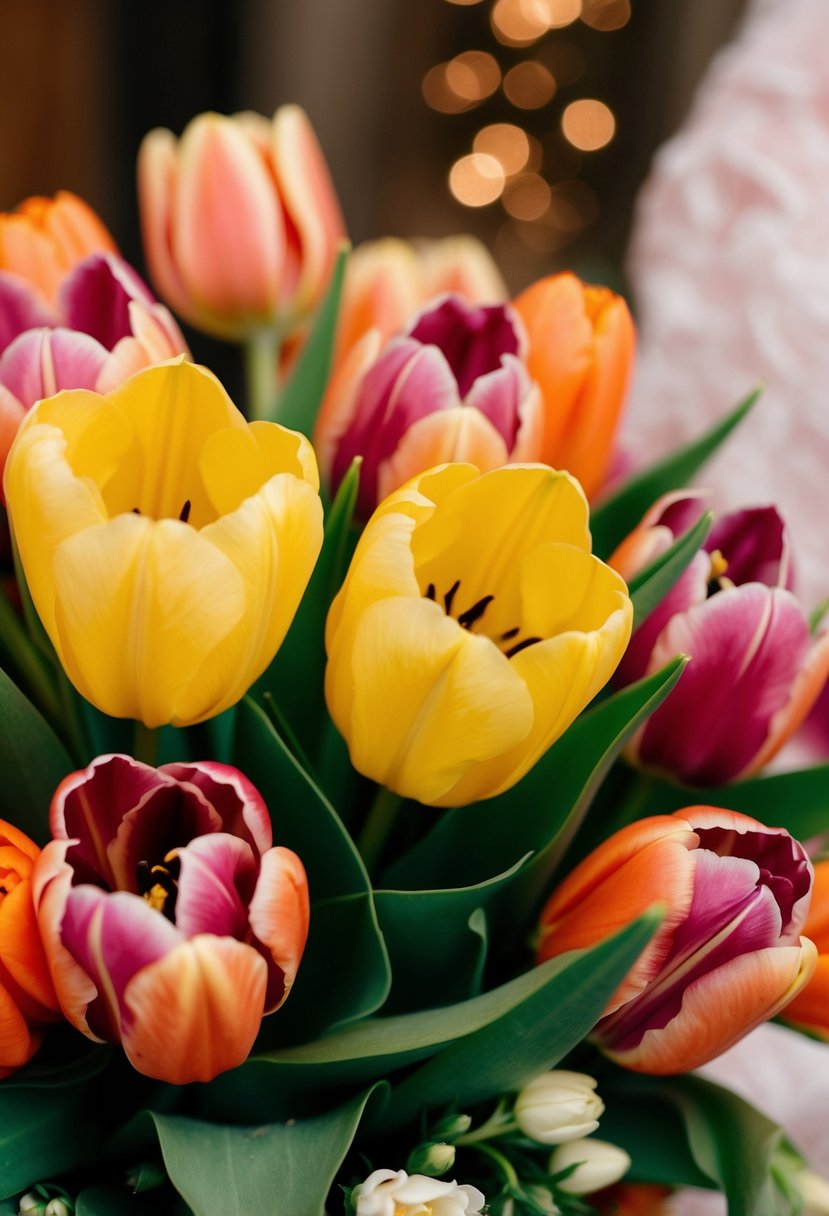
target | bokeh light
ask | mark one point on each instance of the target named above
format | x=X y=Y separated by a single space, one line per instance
x=519 y=22
x=473 y=75
x=527 y=196
x=463 y=2
x=562 y=12
x=588 y=124
x=606 y=14
x=507 y=143
x=477 y=179
x=529 y=85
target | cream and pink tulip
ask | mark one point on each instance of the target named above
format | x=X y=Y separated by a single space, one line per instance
x=728 y=954
x=170 y=923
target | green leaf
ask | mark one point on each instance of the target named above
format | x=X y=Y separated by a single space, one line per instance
x=529 y=1038
x=114 y=1201
x=540 y=814
x=25 y=663
x=300 y=401
x=650 y=586
x=33 y=762
x=563 y=994
x=51 y=1120
x=282 y=1169
x=296 y=676
x=652 y=1132
x=621 y=512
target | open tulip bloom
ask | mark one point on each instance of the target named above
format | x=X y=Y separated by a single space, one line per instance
x=288 y=771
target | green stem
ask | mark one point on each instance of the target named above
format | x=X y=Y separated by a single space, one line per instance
x=377 y=828
x=496 y=1126
x=27 y=661
x=504 y=1165
x=262 y=374
x=72 y=726
x=145 y=741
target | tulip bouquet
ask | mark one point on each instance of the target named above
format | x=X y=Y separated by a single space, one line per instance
x=383 y=805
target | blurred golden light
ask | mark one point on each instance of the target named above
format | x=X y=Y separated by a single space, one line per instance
x=463 y=1
x=507 y=143
x=535 y=155
x=476 y=179
x=605 y=14
x=439 y=95
x=573 y=206
x=473 y=75
x=519 y=22
x=588 y=124
x=526 y=197
x=562 y=12
x=529 y=85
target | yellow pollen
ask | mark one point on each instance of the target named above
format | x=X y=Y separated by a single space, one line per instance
x=719 y=565
x=156 y=897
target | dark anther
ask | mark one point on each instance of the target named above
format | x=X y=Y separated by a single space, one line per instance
x=430 y=591
x=184 y=513
x=135 y=511
x=142 y=877
x=3 y=891
x=467 y=619
x=513 y=650
x=511 y=633
x=450 y=595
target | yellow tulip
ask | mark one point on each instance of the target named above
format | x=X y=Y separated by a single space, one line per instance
x=473 y=626
x=166 y=542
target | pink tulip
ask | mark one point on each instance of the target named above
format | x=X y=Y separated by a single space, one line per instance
x=240 y=221
x=728 y=954
x=453 y=387
x=755 y=670
x=170 y=923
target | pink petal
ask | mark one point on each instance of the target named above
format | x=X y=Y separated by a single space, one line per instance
x=236 y=800
x=157 y=186
x=755 y=545
x=41 y=362
x=95 y=297
x=21 y=308
x=689 y=589
x=216 y=884
x=499 y=396
x=473 y=338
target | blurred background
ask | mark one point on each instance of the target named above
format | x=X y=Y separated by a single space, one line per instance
x=529 y=122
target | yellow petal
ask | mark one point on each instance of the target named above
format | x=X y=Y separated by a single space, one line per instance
x=235 y=464
x=420 y=699
x=139 y=605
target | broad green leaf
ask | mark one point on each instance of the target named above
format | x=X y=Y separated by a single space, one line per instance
x=282 y=1169
x=621 y=512
x=300 y=400
x=296 y=676
x=653 y=1133
x=650 y=586
x=560 y=993
x=50 y=1120
x=531 y=1037
x=433 y=951
x=33 y=762
x=25 y=663
x=540 y=814
x=115 y=1201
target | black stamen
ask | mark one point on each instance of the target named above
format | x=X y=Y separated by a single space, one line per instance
x=184 y=514
x=431 y=591
x=135 y=511
x=513 y=650
x=467 y=619
x=511 y=633
x=450 y=595
x=142 y=877
x=3 y=891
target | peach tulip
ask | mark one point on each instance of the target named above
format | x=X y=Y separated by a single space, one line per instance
x=728 y=954
x=27 y=997
x=810 y=1008
x=170 y=923
x=240 y=221
x=581 y=345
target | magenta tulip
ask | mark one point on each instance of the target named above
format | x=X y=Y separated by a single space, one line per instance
x=170 y=923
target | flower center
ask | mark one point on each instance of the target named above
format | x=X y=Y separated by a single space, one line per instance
x=8 y=881
x=718 y=565
x=158 y=884
x=184 y=513
x=475 y=613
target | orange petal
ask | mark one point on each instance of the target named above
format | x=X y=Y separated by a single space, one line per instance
x=51 y=881
x=459 y=435
x=340 y=400
x=17 y=1044
x=810 y=1008
x=279 y=912
x=21 y=950
x=157 y=177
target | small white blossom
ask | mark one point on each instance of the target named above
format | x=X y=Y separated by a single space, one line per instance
x=598 y=1164
x=559 y=1106
x=396 y=1193
x=814 y=1191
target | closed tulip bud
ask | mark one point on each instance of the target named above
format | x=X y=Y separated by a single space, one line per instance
x=581 y=346
x=166 y=542
x=452 y=388
x=58 y=1207
x=240 y=221
x=558 y=1106
x=814 y=1191
x=810 y=1008
x=396 y=1193
x=173 y=952
x=30 y=1202
x=388 y=281
x=44 y=238
x=598 y=1164
x=27 y=998
x=452 y=1126
x=728 y=954
x=473 y=625
x=431 y=1159
x=753 y=660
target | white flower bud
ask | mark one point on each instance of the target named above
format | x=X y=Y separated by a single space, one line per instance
x=598 y=1164
x=396 y=1193
x=558 y=1106
x=432 y=1159
x=30 y=1202
x=57 y=1207
x=814 y=1190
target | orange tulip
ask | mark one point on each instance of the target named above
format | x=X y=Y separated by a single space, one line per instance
x=728 y=954
x=581 y=345
x=810 y=1008
x=27 y=998
x=44 y=238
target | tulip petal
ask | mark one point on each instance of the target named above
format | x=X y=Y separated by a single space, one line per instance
x=339 y=405
x=456 y=434
x=157 y=178
x=21 y=950
x=96 y=295
x=17 y=1044
x=235 y=464
x=51 y=887
x=195 y=1012
x=805 y=690
x=279 y=915
x=236 y=800
x=810 y=1008
x=453 y=699
x=133 y=621
x=41 y=362
x=498 y=395
x=755 y=545
x=689 y=589
x=218 y=876
x=474 y=339
x=21 y=308
x=744 y=992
